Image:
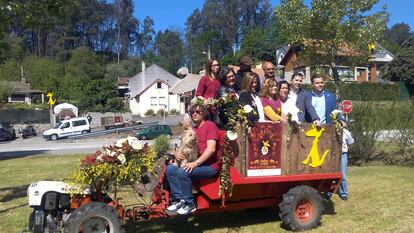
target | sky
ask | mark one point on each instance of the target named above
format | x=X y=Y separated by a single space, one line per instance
x=174 y=13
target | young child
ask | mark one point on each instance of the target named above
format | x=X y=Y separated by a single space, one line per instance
x=347 y=140
x=188 y=145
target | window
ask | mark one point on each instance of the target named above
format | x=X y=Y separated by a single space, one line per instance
x=154 y=101
x=65 y=125
x=162 y=101
x=159 y=85
x=17 y=97
x=79 y=123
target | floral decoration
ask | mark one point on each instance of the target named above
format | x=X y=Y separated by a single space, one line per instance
x=126 y=161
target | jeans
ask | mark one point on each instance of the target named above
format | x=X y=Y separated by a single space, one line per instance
x=181 y=187
x=343 y=187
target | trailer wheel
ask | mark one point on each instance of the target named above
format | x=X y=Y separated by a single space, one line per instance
x=94 y=217
x=301 y=208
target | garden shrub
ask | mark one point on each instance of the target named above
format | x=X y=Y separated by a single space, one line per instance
x=365 y=91
x=174 y=112
x=149 y=112
x=161 y=144
x=161 y=112
x=382 y=131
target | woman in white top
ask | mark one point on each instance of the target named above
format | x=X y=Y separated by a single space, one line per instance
x=288 y=104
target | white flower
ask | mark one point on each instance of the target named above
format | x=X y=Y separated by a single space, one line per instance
x=231 y=135
x=112 y=154
x=247 y=108
x=134 y=143
x=120 y=142
x=121 y=158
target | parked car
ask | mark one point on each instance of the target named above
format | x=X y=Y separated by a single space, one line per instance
x=7 y=130
x=67 y=128
x=154 y=131
x=27 y=132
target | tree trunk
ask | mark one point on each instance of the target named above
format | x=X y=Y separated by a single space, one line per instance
x=336 y=80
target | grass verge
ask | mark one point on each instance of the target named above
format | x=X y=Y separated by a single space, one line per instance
x=381 y=200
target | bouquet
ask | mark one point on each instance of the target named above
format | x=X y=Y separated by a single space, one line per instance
x=126 y=161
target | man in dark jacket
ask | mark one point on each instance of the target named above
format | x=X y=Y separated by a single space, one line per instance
x=246 y=63
x=323 y=102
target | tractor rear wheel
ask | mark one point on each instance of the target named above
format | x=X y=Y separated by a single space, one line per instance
x=301 y=208
x=94 y=217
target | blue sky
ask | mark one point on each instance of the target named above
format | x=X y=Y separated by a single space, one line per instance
x=174 y=13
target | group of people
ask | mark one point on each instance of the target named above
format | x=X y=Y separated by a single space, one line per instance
x=272 y=99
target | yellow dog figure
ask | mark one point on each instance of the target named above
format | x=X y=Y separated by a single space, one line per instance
x=314 y=152
x=51 y=100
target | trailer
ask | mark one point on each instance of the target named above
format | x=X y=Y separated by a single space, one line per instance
x=273 y=165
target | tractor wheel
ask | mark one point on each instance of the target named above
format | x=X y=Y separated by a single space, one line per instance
x=169 y=136
x=53 y=137
x=301 y=208
x=94 y=217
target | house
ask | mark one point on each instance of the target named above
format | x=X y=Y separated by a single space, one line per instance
x=122 y=85
x=22 y=93
x=185 y=88
x=151 y=89
x=289 y=62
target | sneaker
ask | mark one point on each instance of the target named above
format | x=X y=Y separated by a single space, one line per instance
x=186 y=209
x=175 y=207
x=344 y=198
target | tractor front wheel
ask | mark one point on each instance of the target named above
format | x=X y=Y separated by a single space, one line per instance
x=301 y=208
x=94 y=217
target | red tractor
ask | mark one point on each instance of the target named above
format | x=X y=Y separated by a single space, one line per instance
x=274 y=165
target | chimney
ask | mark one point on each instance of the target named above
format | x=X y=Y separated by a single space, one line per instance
x=142 y=65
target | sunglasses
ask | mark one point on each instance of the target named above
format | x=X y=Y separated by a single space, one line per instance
x=199 y=112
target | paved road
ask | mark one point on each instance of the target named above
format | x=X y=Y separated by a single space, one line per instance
x=37 y=145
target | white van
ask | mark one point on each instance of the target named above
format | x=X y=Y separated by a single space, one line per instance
x=67 y=128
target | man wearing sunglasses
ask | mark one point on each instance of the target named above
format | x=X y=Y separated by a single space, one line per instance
x=206 y=166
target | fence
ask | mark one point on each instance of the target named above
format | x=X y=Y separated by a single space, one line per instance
x=16 y=116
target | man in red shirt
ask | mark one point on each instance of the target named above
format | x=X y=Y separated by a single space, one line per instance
x=207 y=165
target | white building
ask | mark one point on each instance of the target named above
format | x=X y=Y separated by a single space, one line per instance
x=151 y=89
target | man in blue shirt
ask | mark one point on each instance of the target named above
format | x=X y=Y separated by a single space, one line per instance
x=322 y=101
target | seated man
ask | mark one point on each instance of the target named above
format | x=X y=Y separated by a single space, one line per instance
x=323 y=103
x=207 y=164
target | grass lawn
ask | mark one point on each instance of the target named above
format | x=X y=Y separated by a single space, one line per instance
x=381 y=200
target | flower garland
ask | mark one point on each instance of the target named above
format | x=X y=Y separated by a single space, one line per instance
x=338 y=128
x=235 y=116
x=126 y=161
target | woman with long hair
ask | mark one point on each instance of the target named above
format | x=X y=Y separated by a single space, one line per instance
x=209 y=83
x=270 y=101
x=249 y=96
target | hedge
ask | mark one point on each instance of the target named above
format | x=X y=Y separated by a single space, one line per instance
x=364 y=91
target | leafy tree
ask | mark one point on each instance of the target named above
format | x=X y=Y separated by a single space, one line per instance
x=402 y=67
x=10 y=70
x=85 y=64
x=146 y=38
x=43 y=73
x=327 y=27
x=97 y=92
x=169 y=47
x=395 y=36
x=5 y=91
x=127 y=26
